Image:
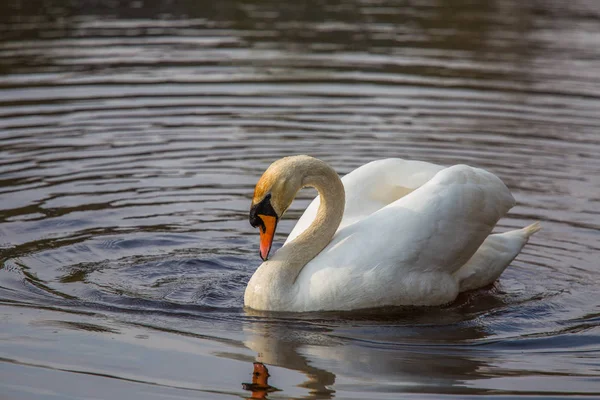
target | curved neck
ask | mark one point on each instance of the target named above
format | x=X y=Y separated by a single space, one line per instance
x=297 y=253
x=272 y=285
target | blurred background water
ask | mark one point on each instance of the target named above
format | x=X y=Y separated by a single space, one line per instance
x=132 y=134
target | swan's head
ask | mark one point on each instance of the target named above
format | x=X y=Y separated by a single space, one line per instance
x=273 y=195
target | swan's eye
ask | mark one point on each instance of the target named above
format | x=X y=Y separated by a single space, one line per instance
x=262 y=208
x=255 y=220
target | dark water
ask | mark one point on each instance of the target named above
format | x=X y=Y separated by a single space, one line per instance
x=132 y=134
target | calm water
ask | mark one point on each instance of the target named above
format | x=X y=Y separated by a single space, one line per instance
x=131 y=137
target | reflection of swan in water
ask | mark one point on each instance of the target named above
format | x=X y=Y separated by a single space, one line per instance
x=278 y=343
x=415 y=350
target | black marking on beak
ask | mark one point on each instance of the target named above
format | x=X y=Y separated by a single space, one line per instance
x=262 y=208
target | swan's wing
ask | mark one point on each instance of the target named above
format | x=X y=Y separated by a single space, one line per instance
x=372 y=187
x=406 y=252
x=440 y=225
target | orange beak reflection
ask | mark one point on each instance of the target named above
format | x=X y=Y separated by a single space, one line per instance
x=267 y=231
x=260 y=382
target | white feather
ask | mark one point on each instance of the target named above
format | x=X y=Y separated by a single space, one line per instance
x=413 y=233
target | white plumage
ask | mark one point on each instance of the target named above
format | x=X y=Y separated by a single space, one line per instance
x=412 y=233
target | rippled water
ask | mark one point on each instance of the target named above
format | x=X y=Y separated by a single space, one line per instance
x=131 y=137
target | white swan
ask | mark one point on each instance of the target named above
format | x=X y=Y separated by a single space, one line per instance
x=392 y=232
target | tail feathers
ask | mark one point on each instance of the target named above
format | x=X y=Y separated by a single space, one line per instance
x=492 y=257
x=533 y=228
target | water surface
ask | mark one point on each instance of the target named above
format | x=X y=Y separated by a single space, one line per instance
x=131 y=137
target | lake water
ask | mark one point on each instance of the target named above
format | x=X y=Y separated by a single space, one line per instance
x=131 y=137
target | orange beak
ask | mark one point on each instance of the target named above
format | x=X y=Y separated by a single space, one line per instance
x=267 y=231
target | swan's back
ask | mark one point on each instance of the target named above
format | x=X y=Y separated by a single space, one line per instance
x=371 y=187
x=452 y=213
x=406 y=251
